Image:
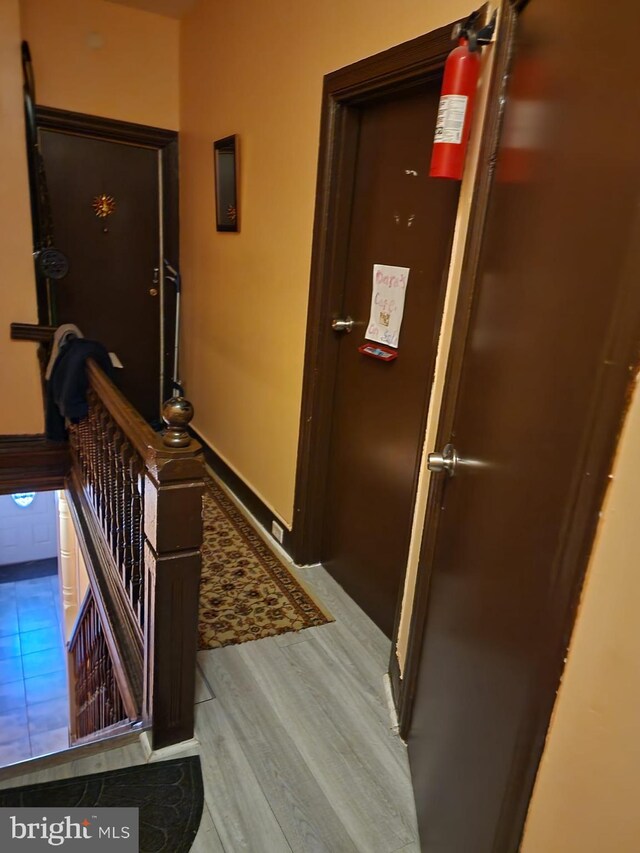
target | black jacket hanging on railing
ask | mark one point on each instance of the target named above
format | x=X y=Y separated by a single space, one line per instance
x=67 y=385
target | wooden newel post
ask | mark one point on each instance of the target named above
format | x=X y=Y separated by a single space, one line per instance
x=173 y=539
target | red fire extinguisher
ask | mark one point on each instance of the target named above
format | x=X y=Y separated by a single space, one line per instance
x=457 y=97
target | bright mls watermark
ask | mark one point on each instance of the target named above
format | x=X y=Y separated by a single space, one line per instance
x=36 y=829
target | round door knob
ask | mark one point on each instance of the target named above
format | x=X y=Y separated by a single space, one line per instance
x=445 y=461
x=342 y=325
x=153 y=291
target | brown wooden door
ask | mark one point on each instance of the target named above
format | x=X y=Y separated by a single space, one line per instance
x=553 y=334
x=400 y=217
x=107 y=292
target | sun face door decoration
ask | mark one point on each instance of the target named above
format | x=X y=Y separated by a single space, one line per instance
x=104 y=205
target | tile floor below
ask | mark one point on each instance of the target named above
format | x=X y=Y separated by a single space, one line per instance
x=34 y=707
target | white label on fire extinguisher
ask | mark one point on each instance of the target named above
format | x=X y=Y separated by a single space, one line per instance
x=450 y=121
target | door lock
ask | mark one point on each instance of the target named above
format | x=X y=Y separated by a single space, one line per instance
x=445 y=461
x=155 y=281
x=344 y=325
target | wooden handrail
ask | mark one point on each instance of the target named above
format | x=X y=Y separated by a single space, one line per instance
x=136 y=496
x=151 y=446
x=146 y=500
x=32 y=332
x=130 y=421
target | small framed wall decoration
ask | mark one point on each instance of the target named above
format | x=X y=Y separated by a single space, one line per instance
x=225 y=158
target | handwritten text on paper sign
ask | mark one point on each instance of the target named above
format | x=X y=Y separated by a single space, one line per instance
x=387 y=304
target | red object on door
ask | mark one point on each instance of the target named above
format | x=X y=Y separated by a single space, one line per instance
x=461 y=72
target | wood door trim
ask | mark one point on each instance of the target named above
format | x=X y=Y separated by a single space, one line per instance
x=396 y=69
x=50 y=118
x=164 y=141
x=404 y=688
x=610 y=402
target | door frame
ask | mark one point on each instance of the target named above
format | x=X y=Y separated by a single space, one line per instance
x=395 y=70
x=166 y=143
x=611 y=398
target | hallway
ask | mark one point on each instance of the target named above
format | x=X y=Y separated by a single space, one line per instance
x=297 y=749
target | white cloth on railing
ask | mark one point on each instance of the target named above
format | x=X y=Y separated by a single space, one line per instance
x=61 y=335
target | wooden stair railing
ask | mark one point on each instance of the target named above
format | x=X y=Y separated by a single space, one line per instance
x=97 y=694
x=136 y=498
x=136 y=501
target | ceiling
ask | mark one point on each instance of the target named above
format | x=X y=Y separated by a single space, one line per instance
x=170 y=8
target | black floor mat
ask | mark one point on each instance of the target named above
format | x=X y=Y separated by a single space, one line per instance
x=169 y=795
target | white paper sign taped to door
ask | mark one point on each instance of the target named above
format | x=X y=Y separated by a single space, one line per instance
x=387 y=304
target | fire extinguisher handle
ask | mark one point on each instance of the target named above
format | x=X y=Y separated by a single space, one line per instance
x=475 y=38
x=467 y=25
x=485 y=35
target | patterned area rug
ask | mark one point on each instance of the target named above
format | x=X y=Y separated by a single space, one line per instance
x=246 y=592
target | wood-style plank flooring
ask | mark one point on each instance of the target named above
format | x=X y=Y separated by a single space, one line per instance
x=296 y=740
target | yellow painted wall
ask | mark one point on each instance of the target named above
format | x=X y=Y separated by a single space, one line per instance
x=104 y=59
x=256 y=69
x=21 y=409
x=586 y=794
x=133 y=76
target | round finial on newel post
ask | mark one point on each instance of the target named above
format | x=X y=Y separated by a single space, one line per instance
x=177 y=414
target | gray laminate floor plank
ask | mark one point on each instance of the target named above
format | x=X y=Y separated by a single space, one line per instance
x=361 y=671
x=207 y=840
x=345 y=610
x=238 y=806
x=204 y=693
x=63 y=771
x=362 y=717
x=113 y=759
x=360 y=769
x=307 y=818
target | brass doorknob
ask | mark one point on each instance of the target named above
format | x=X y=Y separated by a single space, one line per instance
x=153 y=291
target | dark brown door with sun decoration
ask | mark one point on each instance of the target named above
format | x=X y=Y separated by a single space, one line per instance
x=105 y=207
